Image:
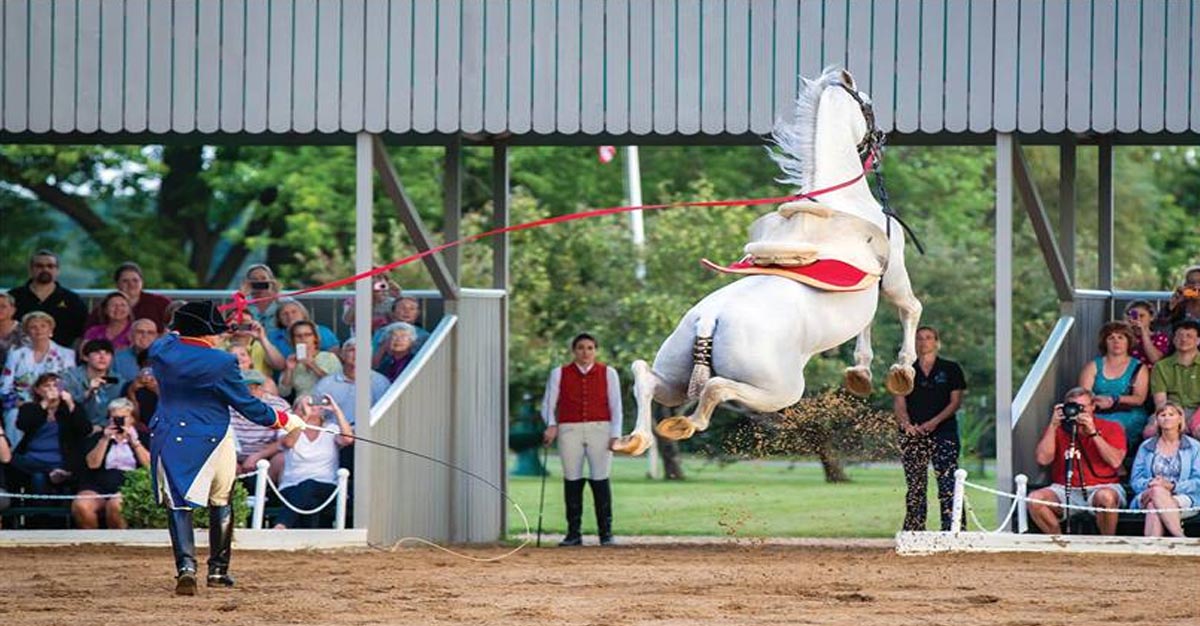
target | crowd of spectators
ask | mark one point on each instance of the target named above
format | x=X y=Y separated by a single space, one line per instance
x=77 y=396
x=1129 y=432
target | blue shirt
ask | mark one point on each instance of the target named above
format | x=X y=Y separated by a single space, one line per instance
x=341 y=389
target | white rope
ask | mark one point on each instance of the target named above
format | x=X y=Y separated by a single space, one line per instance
x=289 y=505
x=978 y=524
x=1078 y=507
x=51 y=496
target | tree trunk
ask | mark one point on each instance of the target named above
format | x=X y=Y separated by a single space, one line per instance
x=831 y=465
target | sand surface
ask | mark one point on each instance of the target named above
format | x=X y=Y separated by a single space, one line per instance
x=749 y=584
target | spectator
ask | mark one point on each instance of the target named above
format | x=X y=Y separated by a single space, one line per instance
x=127 y=362
x=1166 y=474
x=407 y=310
x=1185 y=300
x=1119 y=383
x=260 y=284
x=308 y=363
x=26 y=363
x=584 y=397
x=93 y=383
x=1151 y=345
x=1097 y=447
x=384 y=292
x=5 y=459
x=929 y=430
x=52 y=426
x=142 y=392
x=396 y=350
x=245 y=362
x=1176 y=378
x=111 y=453
x=251 y=335
x=340 y=385
x=257 y=442
x=10 y=328
x=291 y=311
x=145 y=305
x=115 y=321
x=311 y=462
x=43 y=293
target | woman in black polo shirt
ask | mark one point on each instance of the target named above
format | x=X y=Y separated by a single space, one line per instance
x=928 y=430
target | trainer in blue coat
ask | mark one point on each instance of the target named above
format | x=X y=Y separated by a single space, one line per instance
x=193 y=455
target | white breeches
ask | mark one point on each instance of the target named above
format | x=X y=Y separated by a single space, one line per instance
x=214 y=483
x=585 y=439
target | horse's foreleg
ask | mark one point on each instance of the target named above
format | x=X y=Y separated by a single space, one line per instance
x=858 y=378
x=718 y=390
x=898 y=290
x=647 y=387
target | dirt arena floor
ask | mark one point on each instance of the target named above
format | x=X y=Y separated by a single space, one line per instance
x=617 y=586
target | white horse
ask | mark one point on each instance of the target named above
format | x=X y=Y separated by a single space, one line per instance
x=748 y=342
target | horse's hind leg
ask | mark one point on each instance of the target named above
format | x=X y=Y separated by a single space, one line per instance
x=647 y=386
x=858 y=378
x=718 y=390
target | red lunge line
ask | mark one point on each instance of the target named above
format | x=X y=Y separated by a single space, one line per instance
x=240 y=302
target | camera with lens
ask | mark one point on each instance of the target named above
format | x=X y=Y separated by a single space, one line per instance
x=1071 y=410
x=1190 y=292
x=119 y=422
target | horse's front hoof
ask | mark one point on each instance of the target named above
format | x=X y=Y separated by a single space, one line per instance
x=900 y=380
x=633 y=444
x=858 y=381
x=675 y=428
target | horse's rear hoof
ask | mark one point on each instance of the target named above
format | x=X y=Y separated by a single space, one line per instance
x=675 y=428
x=633 y=445
x=900 y=380
x=858 y=381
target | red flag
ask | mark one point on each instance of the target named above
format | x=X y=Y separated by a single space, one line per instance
x=607 y=153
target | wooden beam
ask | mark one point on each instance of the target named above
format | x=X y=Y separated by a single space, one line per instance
x=1041 y=225
x=436 y=265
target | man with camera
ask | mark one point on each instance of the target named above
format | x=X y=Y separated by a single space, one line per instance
x=1084 y=453
x=1177 y=378
x=94 y=383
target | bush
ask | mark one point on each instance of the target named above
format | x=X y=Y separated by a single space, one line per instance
x=142 y=510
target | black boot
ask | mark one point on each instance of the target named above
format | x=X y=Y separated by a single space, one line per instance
x=573 y=495
x=183 y=545
x=602 y=496
x=220 y=545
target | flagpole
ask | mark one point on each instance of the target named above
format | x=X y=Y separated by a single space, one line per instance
x=637 y=227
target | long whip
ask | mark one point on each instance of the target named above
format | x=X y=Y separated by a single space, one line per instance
x=524 y=542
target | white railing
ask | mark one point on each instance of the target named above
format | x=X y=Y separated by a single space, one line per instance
x=263 y=480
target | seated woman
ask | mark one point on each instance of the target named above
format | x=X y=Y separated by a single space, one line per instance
x=260 y=284
x=311 y=462
x=396 y=350
x=308 y=364
x=246 y=362
x=5 y=459
x=1166 y=474
x=1119 y=382
x=1152 y=344
x=10 y=328
x=111 y=453
x=291 y=311
x=116 y=320
x=26 y=363
x=52 y=427
x=257 y=442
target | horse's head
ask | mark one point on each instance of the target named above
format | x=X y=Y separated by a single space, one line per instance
x=832 y=132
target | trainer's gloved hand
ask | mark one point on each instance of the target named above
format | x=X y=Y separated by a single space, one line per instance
x=294 y=422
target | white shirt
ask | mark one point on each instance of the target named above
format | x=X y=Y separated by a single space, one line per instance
x=310 y=460
x=550 y=400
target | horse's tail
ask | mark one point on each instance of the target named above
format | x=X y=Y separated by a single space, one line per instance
x=701 y=356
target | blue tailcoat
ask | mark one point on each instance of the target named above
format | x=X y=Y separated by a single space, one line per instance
x=197 y=385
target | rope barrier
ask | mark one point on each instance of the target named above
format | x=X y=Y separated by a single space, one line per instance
x=1078 y=507
x=328 y=501
x=53 y=496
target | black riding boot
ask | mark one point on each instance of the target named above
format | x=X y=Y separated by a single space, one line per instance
x=183 y=544
x=602 y=496
x=220 y=545
x=573 y=495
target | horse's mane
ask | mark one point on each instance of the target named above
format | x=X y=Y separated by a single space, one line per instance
x=793 y=143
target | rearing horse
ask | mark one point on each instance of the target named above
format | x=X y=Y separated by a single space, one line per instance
x=748 y=342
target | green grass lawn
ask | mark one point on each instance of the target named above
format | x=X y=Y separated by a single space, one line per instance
x=745 y=499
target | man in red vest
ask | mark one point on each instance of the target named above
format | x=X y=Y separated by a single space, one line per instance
x=582 y=409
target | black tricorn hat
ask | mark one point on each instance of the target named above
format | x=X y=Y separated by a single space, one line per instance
x=199 y=319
